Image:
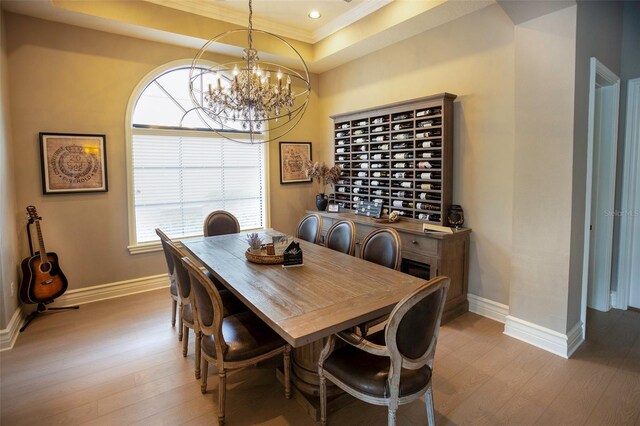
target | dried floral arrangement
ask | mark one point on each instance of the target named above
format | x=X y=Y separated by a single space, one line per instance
x=323 y=174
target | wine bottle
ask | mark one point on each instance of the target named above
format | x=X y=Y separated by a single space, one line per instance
x=356 y=198
x=377 y=165
x=364 y=165
x=424 y=165
x=363 y=156
x=400 y=175
x=401 y=117
x=378 y=200
x=343 y=126
x=399 y=194
x=402 y=155
x=430 y=155
x=379 y=192
x=378 y=129
x=423 y=216
x=400 y=203
x=362 y=174
x=400 y=165
x=406 y=184
x=423 y=113
x=376 y=157
x=427 y=123
x=401 y=136
x=341 y=158
x=358 y=182
x=342 y=189
x=359 y=140
x=430 y=186
x=361 y=123
x=428 y=144
x=363 y=148
x=374 y=183
x=357 y=190
x=340 y=142
x=358 y=132
x=378 y=120
x=427 y=206
x=379 y=174
x=378 y=139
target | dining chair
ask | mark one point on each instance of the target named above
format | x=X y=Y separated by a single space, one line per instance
x=341 y=237
x=393 y=366
x=309 y=228
x=220 y=222
x=234 y=341
x=188 y=317
x=173 y=290
x=382 y=246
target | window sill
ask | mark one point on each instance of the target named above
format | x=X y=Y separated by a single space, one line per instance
x=157 y=246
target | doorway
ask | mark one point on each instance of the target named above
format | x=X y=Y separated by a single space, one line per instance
x=628 y=283
x=602 y=145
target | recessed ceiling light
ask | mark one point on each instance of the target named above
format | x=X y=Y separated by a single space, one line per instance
x=314 y=14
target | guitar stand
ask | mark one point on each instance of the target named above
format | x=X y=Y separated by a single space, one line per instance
x=42 y=308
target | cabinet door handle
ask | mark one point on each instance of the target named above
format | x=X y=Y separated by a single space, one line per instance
x=414 y=242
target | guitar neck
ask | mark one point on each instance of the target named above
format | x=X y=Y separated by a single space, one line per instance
x=43 y=251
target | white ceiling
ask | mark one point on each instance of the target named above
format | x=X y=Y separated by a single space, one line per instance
x=346 y=31
x=288 y=18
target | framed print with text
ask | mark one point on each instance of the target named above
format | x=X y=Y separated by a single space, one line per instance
x=73 y=163
x=293 y=157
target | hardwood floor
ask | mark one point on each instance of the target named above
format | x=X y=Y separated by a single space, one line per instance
x=119 y=362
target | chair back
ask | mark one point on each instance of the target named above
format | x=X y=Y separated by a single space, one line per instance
x=220 y=222
x=342 y=237
x=412 y=331
x=180 y=273
x=209 y=304
x=309 y=228
x=163 y=239
x=383 y=247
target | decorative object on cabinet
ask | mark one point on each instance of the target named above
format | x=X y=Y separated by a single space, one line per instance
x=323 y=175
x=73 y=163
x=400 y=155
x=294 y=157
x=244 y=99
x=456 y=216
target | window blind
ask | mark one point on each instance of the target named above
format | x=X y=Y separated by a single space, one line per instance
x=179 y=180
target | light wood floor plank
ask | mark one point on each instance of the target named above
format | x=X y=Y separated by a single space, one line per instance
x=118 y=362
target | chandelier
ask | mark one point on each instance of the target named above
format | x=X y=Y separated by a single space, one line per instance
x=248 y=96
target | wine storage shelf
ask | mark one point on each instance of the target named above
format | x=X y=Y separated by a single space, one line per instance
x=400 y=155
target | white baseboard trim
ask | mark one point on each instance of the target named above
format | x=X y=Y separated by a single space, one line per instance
x=557 y=343
x=9 y=335
x=488 y=308
x=112 y=290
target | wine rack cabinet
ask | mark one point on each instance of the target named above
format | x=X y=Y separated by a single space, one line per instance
x=400 y=155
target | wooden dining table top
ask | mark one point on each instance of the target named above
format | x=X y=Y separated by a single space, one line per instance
x=331 y=292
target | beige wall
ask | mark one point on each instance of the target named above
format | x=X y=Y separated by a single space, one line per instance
x=471 y=57
x=544 y=88
x=9 y=259
x=68 y=79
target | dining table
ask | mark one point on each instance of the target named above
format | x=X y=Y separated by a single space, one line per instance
x=330 y=292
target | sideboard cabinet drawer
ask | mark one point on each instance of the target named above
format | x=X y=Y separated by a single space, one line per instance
x=419 y=244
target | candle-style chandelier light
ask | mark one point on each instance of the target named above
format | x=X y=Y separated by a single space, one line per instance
x=260 y=99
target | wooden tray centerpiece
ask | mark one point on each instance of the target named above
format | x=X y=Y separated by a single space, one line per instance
x=263 y=257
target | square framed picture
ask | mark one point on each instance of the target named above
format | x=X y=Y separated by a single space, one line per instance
x=73 y=163
x=293 y=157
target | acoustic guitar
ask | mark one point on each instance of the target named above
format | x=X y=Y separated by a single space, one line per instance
x=42 y=278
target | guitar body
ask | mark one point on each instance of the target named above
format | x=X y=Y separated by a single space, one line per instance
x=42 y=281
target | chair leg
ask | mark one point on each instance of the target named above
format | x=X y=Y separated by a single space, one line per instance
x=222 y=394
x=198 y=338
x=185 y=340
x=431 y=418
x=203 y=375
x=392 y=417
x=323 y=399
x=287 y=371
x=174 y=305
x=180 y=323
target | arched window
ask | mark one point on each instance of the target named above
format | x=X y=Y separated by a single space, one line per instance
x=179 y=171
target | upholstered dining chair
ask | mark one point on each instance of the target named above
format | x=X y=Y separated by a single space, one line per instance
x=234 y=341
x=393 y=366
x=309 y=228
x=188 y=318
x=341 y=236
x=220 y=222
x=173 y=290
x=382 y=246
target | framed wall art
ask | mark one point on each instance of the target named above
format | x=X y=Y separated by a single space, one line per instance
x=73 y=163
x=293 y=157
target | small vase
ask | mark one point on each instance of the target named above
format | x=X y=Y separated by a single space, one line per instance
x=321 y=201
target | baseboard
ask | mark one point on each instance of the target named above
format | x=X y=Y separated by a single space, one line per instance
x=9 y=335
x=488 y=308
x=112 y=290
x=557 y=343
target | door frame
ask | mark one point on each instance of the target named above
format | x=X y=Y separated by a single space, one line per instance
x=630 y=205
x=598 y=72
